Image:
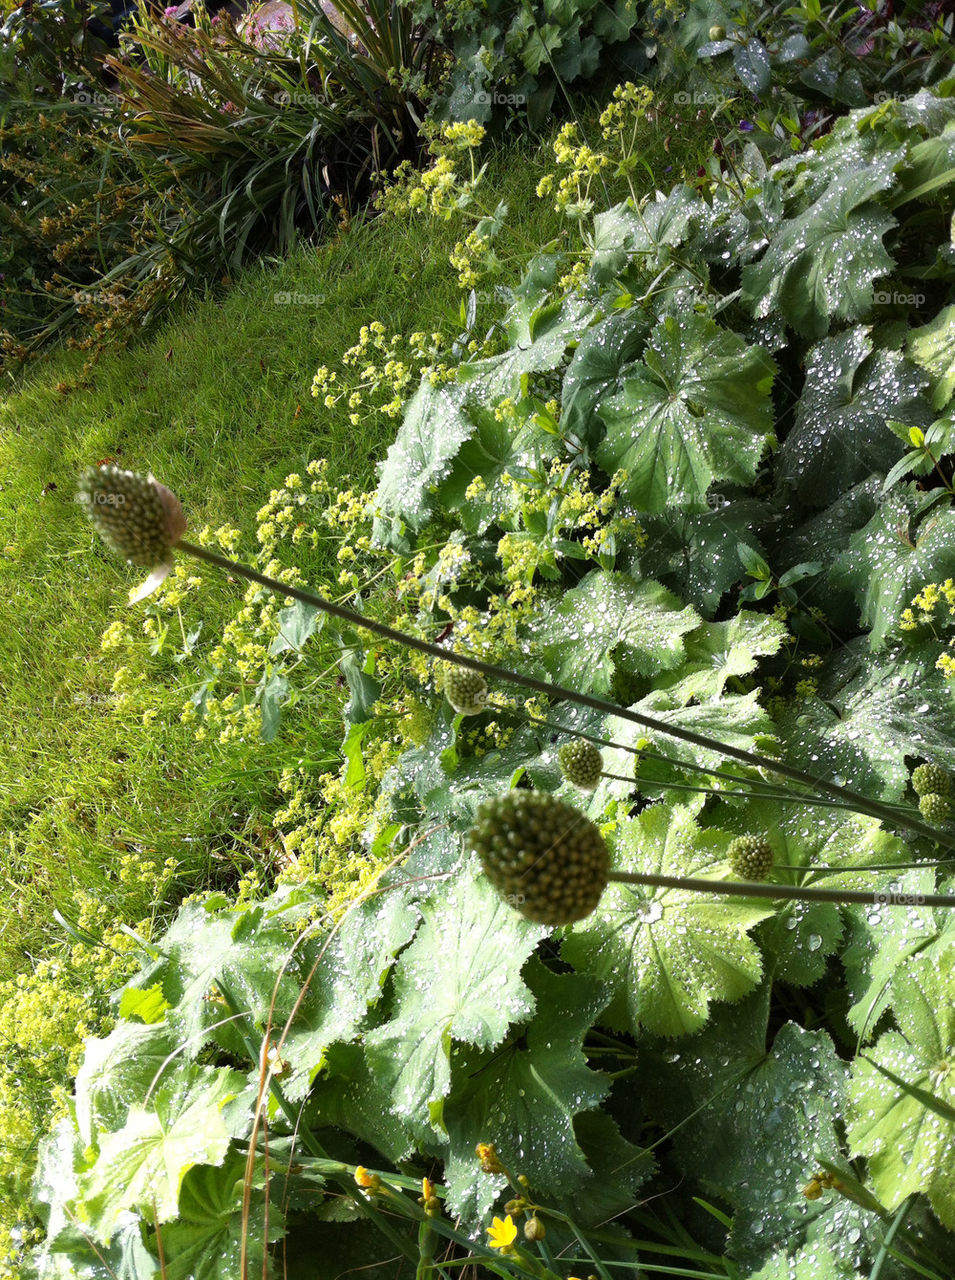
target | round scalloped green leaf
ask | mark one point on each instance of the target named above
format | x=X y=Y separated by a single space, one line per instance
x=695 y=411
x=666 y=954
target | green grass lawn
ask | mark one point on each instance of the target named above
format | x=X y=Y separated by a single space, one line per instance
x=217 y=405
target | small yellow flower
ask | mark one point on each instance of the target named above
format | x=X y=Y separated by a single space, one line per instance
x=501 y=1235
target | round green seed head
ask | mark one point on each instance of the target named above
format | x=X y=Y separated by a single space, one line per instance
x=136 y=517
x=931 y=779
x=543 y=856
x=934 y=808
x=581 y=763
x=750 y=857
x=465 y=690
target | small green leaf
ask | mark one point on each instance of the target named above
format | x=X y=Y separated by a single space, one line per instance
x=146 y=1003
x=294 y=626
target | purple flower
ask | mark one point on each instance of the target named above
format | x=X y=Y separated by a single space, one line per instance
x=746 y=126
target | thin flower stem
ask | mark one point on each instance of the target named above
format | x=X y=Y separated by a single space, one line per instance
x=786 y=797
x=802 y=893
x=763 y=790
x=859 y=802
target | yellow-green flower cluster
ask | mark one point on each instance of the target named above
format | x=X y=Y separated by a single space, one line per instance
x=923 y=608
x=45 y=1015
x=440 y=190
x=934 y=607
x=381 y=372
x=621 y=123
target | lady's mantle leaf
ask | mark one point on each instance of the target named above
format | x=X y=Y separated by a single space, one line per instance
x=575 y=641
x=143 y=1164
x=697 y=409
x=933 y=347
x=911 y=1148
x=767 y=1113
x=205 y=1242
x=459 y=980
x=523 y=1097
x=890 y=561
x=821 y=264
x=666 y=953
x=840 y=436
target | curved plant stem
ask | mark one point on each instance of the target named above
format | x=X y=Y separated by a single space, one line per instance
x=860 y=803
x=802 y=893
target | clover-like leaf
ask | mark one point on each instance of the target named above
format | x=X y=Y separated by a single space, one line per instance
x=696 y=410
x=667 y=953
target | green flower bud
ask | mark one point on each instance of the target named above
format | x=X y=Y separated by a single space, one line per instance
x=934 y=808
x=931 y=779
x=136 y=516
x=465 y=690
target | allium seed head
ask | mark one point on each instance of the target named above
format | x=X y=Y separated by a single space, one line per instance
x=466 y=690
x=750 y=857
x=135 y=515
x=543 y=856
x=931 y=779
x=581 y=763
x=934 y=807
